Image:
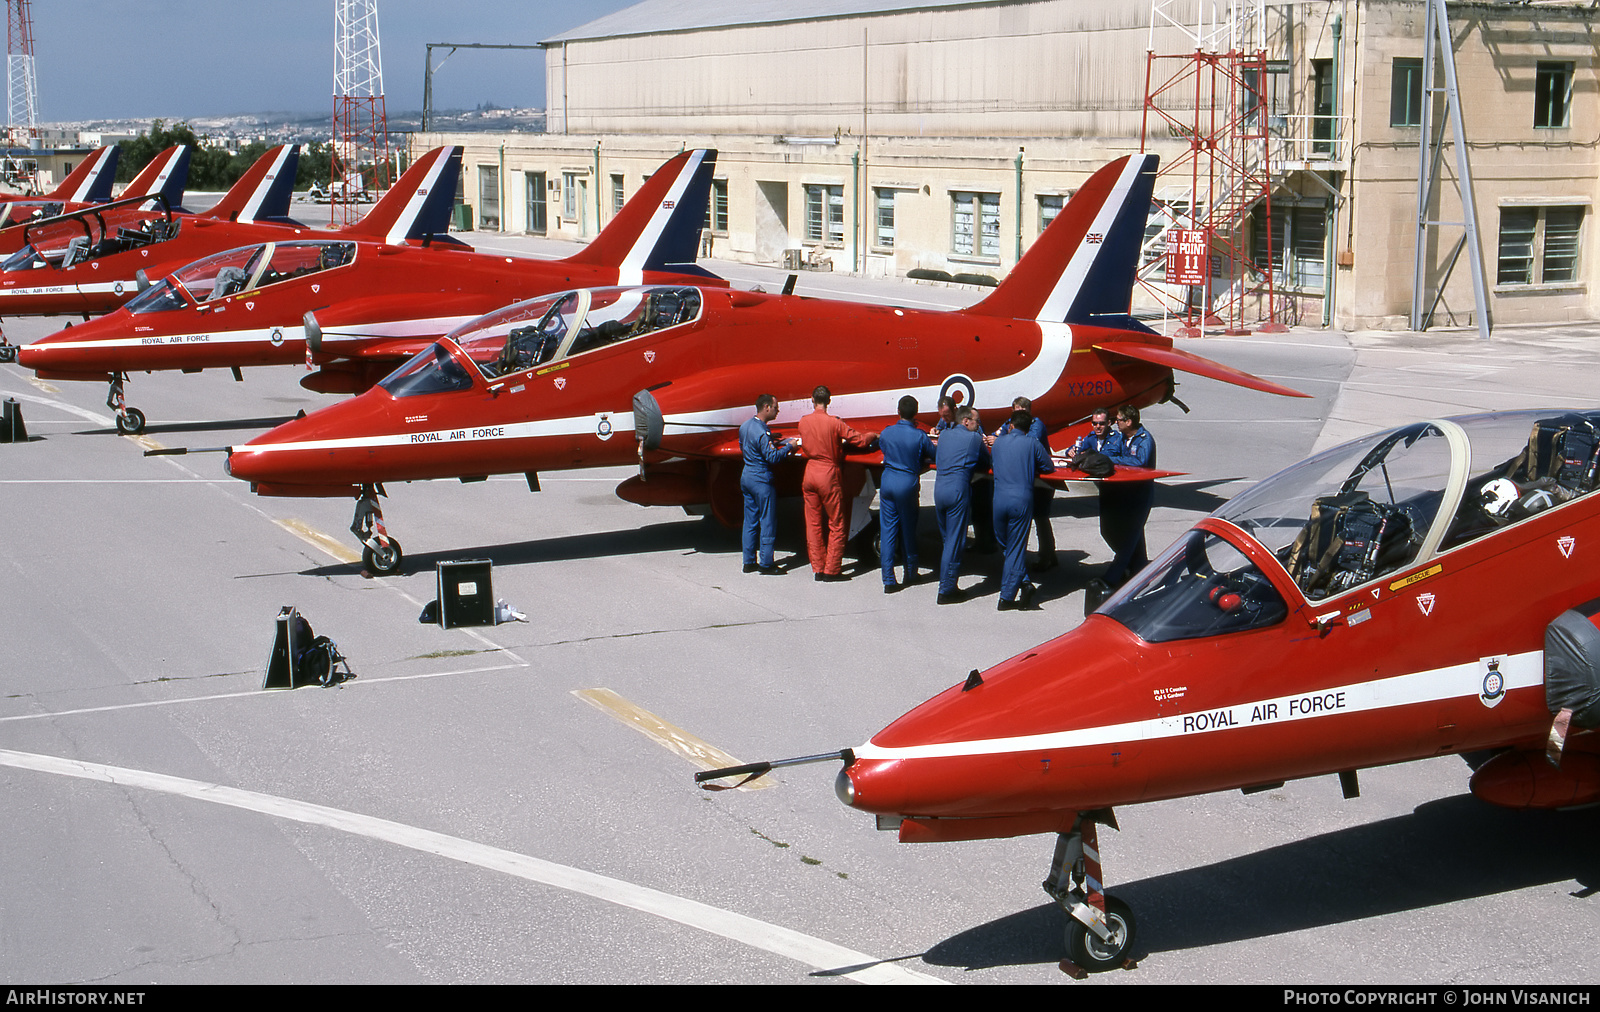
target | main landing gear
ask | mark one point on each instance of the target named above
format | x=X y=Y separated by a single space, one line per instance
x=130 y=421
x=1101 y=933
x=380 y=553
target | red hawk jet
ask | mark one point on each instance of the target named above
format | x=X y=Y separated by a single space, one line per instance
x=88 y=261
x=395 y=286
x=559 y=382
x=1348 y=612
x=89 y=183
x=166 y=176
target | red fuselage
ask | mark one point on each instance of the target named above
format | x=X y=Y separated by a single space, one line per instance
x=577 y=411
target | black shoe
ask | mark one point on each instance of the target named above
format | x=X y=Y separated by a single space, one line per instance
x=893 y=588
x=1025 y=596
x=954 y=597
x=1045 y=563
x=1095 y=594
x=772 y=570
x=1006 y=605
x=751 y=567
x=830 y=577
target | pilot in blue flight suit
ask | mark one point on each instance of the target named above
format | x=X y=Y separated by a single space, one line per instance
x=960 y=452
x=1125 y=506
x=1019 y=458
x=1042 y=494
x=761 y=451
x=906 y=452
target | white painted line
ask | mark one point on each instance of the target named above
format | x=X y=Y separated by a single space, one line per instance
x=806 y=949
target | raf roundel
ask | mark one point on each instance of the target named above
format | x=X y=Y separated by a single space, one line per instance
x=959 y=388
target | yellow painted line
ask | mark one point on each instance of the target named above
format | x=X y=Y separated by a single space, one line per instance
x=42 y=385
x=318 y=540
x=669 y=736
x=147 y=442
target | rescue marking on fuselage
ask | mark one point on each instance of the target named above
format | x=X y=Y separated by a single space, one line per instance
x=1416 y=577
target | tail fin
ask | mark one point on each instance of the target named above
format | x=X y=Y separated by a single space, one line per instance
x=264 y=191
x=418 y=205
x=1082 y=269
x=90 y=182
x=167 y=174
x=659 y=229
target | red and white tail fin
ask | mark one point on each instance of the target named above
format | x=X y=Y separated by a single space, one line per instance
x=264 y=191
x=418 y=205
x=91 y=181
x=167 y=175
x=658 y=229
x=1082 y=269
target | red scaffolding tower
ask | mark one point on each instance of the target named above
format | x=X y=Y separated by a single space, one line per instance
x=1199 y=264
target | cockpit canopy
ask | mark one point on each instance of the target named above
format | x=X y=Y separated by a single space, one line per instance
x=245 y=269
x=1357 y=512
x=78 y=239
x=551 y=328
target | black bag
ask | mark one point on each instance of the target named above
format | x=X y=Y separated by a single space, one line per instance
x=319 y=659
x=1094 y=464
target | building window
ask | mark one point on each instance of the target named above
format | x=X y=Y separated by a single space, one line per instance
x=883 y=219
x=489 y=197
x=1299 y=232
x=717 y=208
x=1321 y=106
x=975 y=225
x=1049 y=206
x=536 y=198
x=825 y=215
x=1552 y=94
x=569 y=195
x=1405 y=93
x=1539 y=245
x=619 y=194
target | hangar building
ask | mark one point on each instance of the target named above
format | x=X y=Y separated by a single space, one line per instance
x=882 y=138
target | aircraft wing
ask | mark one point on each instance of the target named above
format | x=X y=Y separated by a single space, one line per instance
x=1064 y=474
x=1172 y=358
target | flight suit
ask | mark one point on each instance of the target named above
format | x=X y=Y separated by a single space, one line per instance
x=960 y=452
x=906 y=452
x=760 y=453
x=1042 y=495
x=1125 y=506
x=1018 y=459
x=823 y=439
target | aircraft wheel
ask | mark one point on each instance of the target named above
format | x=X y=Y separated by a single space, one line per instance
x=131 y=423
x=1085 y=948
x=8 y=353
x=383 y=561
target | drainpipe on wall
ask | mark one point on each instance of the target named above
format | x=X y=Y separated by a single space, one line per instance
x=597 y=186
x=857 y=257
x=1019 y=204
x=501 y=184
x=1330 y=244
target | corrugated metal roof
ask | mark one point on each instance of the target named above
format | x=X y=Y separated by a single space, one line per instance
x=654 y=16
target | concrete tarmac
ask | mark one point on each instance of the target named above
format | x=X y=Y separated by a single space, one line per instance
x=472 y=808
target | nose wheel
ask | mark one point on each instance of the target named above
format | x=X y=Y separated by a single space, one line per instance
x=380 y=553
x=130 y=421
x=1102 y=931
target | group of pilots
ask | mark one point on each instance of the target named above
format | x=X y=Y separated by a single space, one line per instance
x=988 y=480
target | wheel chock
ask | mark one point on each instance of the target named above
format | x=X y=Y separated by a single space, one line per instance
x=1073 y=970
x=12 y=430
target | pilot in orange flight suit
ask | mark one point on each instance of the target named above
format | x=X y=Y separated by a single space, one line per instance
x=823 y=439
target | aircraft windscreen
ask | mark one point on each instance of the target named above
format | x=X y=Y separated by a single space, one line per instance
x=220 y=274
x=297 y=259
x=431 y=371
x=1201 y=586
x=158 y=298
x=25 y=259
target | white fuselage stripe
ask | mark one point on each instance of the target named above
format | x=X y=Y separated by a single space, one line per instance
x=805 y=949
x=264 y=336
x=1519 y=671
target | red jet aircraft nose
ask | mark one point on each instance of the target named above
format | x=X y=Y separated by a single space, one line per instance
x=313 y=455
x=1020 y=740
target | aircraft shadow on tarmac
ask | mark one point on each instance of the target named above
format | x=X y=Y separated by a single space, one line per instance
x=1449 y=850
x=218 y=426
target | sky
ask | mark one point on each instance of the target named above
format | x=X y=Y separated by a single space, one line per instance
x=182 y=59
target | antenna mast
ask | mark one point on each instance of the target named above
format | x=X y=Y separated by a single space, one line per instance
x=360 y=123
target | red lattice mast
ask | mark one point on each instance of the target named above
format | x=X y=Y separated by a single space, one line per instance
x=360 y=122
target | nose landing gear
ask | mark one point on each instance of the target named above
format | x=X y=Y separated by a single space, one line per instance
x=1101 y=933
x=380 y=553
x=130 y=421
